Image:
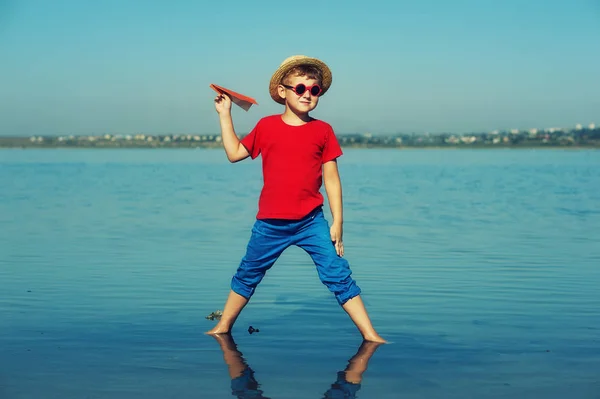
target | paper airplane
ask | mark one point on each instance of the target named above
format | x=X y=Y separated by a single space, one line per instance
x=240 y=100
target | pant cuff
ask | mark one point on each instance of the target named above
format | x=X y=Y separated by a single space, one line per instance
x=241 y=289
x=346 y=296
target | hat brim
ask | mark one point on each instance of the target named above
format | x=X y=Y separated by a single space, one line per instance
x=285 y=67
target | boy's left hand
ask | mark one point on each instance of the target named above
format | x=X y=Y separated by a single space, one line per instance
x=336 y=238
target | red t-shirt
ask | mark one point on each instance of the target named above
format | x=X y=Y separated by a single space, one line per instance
x=292 y=161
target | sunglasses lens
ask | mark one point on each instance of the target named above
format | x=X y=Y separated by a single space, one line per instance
x=300 y=89
x=315 y=90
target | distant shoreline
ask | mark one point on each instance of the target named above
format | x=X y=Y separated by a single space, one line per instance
x=361 y=147
x=579 y=138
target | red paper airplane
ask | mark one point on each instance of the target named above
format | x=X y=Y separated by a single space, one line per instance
x=241 y=100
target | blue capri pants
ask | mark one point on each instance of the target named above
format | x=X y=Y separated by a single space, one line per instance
x=271 y=237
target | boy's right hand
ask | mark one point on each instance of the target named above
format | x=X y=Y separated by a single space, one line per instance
x=223 y=103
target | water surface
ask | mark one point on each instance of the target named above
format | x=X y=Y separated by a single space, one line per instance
x=480 y=267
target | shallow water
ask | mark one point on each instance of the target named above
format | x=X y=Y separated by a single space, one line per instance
x=480 y=267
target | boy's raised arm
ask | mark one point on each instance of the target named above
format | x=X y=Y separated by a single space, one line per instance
x=233 y=148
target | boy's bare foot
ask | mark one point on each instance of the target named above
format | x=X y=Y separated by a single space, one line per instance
x=218 y=330
x=234 y=305
x=375 y=338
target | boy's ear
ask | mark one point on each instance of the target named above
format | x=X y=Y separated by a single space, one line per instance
x=281 y=91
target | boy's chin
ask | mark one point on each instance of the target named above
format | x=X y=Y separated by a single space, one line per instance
x=302 y=109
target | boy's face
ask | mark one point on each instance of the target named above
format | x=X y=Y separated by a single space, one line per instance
x=299 y=104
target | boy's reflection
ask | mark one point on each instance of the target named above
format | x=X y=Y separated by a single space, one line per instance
x=244 y=385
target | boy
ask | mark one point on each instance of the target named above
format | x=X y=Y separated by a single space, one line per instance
x=298 y=154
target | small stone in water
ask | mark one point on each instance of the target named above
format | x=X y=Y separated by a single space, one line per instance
x=215 y=315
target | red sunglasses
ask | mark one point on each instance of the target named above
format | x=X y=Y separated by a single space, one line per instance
x=301 y=88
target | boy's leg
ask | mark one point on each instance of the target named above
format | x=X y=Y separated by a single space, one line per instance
x=334 y=271
x=265 y=246
x=358 y=313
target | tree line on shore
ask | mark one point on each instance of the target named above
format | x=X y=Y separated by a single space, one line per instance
x=580 y=137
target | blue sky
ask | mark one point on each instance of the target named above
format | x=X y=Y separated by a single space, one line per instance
x=127 y=66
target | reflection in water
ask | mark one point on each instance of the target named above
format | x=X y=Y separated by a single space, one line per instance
x=244 y=385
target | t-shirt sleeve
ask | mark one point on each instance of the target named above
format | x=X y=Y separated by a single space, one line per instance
x=252 y=142
x=332 y=148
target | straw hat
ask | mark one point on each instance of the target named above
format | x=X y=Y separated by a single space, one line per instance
x=292 y=62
